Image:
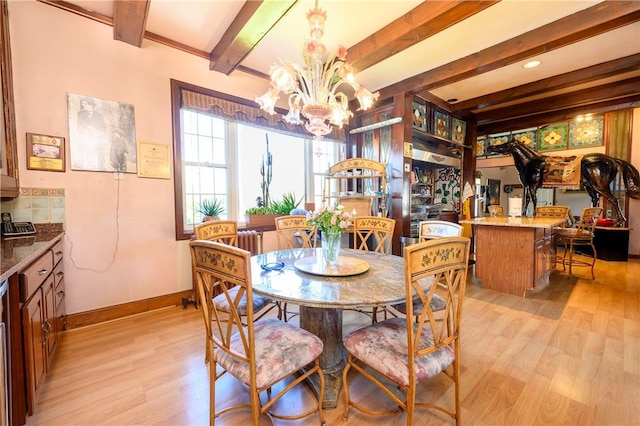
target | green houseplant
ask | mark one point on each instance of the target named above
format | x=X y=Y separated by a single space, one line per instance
x=265 y=215
x=211 y=209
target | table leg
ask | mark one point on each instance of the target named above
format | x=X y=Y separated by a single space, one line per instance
x=327 y=324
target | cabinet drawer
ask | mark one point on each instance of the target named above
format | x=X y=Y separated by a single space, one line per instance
x=33 y=276
x=58 y=274
x=57 y=252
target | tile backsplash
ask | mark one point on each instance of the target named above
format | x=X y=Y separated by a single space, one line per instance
x=37 y=205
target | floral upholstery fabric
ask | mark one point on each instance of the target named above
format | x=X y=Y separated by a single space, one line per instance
x=437 y=304
x=221 y=303
x=383 y=346
x=281 y=349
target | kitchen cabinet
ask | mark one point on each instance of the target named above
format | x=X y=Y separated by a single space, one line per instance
x=4 y=358
x=8 y=153
x=42 y=312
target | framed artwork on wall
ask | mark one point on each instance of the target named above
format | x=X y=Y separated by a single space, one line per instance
x=553 y=137
x=480 y=146
x=527 y=136
x=586 y=132
x=102 y=135
x=459 y=130
x=493 y=192
x=45 y=153
x=441 y=122
x=419 y=117
x=497 y=139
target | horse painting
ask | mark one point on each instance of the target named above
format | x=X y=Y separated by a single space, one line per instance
x=597 y=171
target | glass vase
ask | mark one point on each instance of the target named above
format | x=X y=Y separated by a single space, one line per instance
x=331 y=247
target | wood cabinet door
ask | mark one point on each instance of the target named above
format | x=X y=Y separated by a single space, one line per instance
x=34 y=342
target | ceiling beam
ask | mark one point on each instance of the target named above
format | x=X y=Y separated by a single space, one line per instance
x=562 y=81
x=253 y=22
x=511 y=124
x=595 y=20
x=129 y=20
x=422 y=22
x=618 y=89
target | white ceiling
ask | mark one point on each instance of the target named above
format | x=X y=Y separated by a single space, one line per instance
x=201 y=24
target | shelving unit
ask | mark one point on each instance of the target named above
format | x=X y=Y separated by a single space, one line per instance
x=357 y=178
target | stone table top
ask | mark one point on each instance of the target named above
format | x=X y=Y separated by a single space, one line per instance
x=382 y=284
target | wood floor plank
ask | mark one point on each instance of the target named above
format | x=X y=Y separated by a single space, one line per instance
x=568 y=354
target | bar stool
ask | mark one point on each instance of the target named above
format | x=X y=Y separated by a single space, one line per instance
x=580 y=237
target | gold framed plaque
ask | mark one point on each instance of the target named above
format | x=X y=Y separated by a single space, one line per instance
x=45 y=153
x=153 y=160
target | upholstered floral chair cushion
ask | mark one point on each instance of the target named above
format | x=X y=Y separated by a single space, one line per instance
x=281 y=349
x=221 y=303
x=383 y=346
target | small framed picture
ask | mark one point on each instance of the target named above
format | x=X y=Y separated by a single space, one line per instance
x=45 y=153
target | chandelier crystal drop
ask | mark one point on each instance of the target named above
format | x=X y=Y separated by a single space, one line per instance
x=313 y=89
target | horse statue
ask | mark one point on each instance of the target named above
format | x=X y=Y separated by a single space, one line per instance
x=597 y=171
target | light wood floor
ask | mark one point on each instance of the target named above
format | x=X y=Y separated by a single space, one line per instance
x=568 y=355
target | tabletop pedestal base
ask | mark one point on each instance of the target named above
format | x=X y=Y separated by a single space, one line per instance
x=327 y=325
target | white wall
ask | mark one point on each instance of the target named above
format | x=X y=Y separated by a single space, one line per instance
x=55 y=52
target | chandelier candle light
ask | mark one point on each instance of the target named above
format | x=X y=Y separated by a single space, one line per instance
x=313 y=89
x=331 y=221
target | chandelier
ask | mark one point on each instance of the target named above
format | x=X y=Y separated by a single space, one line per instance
x=313 y=89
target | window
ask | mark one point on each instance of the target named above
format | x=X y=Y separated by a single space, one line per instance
x=220 y=157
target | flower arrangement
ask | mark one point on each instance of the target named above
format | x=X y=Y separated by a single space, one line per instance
x=330 y=219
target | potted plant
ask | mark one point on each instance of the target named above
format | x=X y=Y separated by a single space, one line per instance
x=211 y=209
x=265 y=215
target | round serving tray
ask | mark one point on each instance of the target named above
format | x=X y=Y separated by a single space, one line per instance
x=345 y=266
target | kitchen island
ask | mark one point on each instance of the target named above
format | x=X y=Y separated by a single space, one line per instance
x=514 y=254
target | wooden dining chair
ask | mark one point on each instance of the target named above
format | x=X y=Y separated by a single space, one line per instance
x=429 y=230
x=226 y=232
x=293 y=232
x=259 y=354
x=580 y=236
x=222 y=231
x=373 y=233
x=555 y=211
x=496 y=210
x=398 y=354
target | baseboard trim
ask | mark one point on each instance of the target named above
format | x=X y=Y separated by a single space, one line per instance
x=96 y=316
x=634 y=256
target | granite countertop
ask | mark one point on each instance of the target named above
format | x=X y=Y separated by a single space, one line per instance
x=17 y=253
x=382 y=284
x=520 y=222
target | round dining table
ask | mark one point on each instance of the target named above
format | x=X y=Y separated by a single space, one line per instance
x=301 y=277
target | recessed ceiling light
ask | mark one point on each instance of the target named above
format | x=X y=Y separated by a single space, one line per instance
x=531 y=64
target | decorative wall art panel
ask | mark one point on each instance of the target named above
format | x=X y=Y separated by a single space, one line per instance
x=480 y=146
x=527 y=136
x=586 y=132
x=102 y=135
x=553 y=137
x=419 y=117
x=459 y=131
x=441 y=124
x=497 y=139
